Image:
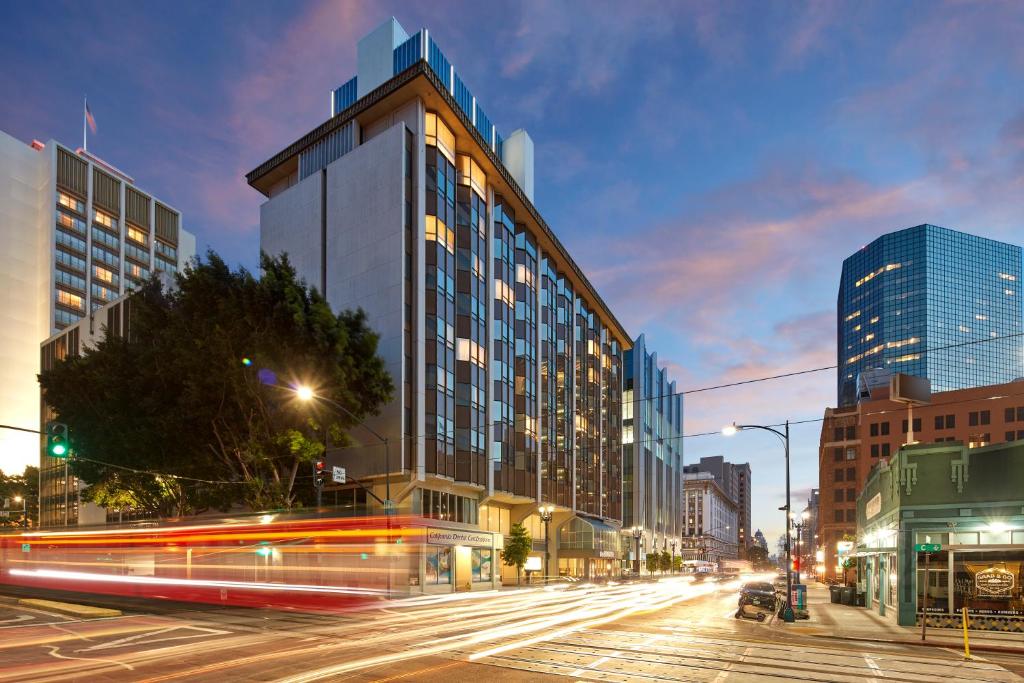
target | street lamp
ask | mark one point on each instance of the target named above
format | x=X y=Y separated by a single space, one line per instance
x=638 y=532
x=730 y=430
x=546 y=512
x=799 y=527
x=306 y=394
x=673 y=557
x=24 y=509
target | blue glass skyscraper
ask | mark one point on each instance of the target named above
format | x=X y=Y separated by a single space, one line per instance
x=930 y=302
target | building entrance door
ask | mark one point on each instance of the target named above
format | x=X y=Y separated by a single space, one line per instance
x=463 y=568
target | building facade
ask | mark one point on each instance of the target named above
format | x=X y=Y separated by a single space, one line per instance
x=907 y=297
x=968 y=506
x=710 y=525
x=856 y=438
x=60 y=502
x=652 y=452
x=508 y=365
x=77 y=233
x=735 y=480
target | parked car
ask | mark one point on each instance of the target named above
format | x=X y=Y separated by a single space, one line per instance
x=757 y=600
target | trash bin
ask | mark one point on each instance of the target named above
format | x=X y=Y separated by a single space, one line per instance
x=848 y=595
x=834 y=594
x=799 y=597
x=862 y=599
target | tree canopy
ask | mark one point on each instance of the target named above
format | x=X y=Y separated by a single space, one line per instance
x=517 y=548
x=195 y=407
x=26 y=486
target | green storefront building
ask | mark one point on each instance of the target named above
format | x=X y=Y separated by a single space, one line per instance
x=967 y=501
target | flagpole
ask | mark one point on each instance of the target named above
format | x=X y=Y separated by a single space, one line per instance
x=85 y=123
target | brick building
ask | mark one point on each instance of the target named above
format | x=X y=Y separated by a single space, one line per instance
x=855 y=438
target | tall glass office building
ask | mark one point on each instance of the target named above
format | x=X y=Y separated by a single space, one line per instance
x=930 y=302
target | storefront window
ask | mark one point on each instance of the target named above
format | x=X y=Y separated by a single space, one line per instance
x=876 y=577
x=989 y=582
x=890 y=565
x=482 y=564
x=937 y=582
x=439 y=566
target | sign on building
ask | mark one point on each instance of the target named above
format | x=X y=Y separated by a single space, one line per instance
x=994 y=582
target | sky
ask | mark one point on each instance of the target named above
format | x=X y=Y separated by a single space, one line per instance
x=709 y=165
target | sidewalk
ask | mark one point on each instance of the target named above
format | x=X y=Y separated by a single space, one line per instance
x=828 y=620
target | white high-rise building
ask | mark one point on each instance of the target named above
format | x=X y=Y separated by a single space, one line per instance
x=76 y=233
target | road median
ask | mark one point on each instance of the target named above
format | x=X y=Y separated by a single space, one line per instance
x=70 y=609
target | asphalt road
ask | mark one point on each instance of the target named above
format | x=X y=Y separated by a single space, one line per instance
x=669 y=630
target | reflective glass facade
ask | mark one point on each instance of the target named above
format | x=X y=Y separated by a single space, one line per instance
x=908 y=296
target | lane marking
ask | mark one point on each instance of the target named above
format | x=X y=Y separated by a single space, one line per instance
x=55 y=652
x=136 y=639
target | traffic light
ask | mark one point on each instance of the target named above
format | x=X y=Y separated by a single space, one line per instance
x=57 y=443
x=319 y=473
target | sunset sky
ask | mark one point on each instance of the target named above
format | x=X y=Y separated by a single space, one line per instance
x=709 y=165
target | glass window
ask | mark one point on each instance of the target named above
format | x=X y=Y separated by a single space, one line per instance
x=70 y=202
x=439 y=135
x=482 y=564
x=937 y=582
x=989 y=583
x=439 y=566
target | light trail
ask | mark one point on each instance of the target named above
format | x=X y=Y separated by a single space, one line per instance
x=62 y=575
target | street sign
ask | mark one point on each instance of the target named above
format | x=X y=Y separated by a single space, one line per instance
x=927 y=547
x=25 y=547
x=5 y=513
x=338 y=474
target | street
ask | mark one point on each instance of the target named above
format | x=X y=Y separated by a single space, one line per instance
x=665 y=630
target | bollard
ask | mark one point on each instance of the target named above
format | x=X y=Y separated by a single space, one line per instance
x=967 y=644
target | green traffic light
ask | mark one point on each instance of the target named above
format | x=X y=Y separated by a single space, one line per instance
x=59 y=449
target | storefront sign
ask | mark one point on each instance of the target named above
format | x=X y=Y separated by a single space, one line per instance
x=994 y=582
x=608 y=553
x=457 y=537
x=873 y=506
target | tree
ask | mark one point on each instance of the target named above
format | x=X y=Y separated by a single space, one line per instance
x=192 y=409
x=653 y=561
x=677 y=563
x=848 y=563
x=26 y=486
x=665 y=561
x=758 y=557
x=518 y=545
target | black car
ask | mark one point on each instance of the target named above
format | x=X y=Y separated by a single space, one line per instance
x=757 y=599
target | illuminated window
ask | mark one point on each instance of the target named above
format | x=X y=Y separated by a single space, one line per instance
x=137 y=235
x=70 y=202
x=874 y=320
x=852 y=316
x=105 y=220
x=70 y=300
x=103 y=275
x=1007 y=276
x=627 y=434
x=437 y=231
x=471 y=174
x=440 y=136
x=869 y=336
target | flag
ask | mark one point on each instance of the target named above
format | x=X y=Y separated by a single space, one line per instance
x=90 y=119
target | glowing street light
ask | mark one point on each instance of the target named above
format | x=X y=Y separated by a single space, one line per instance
x=305 y=393
x=730 y=430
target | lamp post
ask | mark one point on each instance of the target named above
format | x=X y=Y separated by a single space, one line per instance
x=673 y=564
x=24 y=509
x=799 y=526
x=306 y=394
x=638 y=532
x=546 y=512
x=730 y=430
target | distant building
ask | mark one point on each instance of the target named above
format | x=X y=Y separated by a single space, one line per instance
x=76 y=234
x=909 y=293
x=809 y=534
x=652 y=454
x=735 y=480
x=856 y=438
x=760 y=541
x=710 y=529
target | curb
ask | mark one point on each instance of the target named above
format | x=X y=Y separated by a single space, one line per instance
x=83 y=611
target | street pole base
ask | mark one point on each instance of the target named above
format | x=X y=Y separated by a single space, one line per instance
x=787 y=615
